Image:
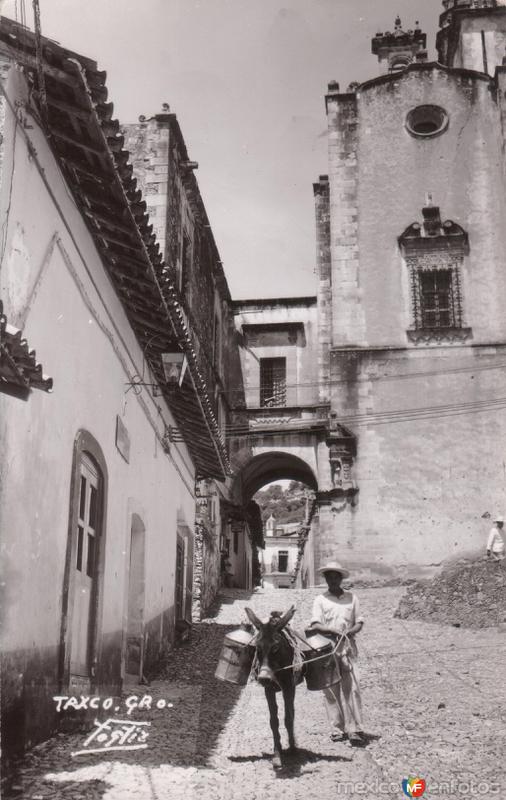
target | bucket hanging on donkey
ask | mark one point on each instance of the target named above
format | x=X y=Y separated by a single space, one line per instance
x=321 y=664
x=236 y=657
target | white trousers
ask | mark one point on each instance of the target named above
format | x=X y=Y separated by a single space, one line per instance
x=343 y=702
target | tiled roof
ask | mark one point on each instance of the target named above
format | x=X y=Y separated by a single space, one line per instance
x=19 y=371
x=86 y=142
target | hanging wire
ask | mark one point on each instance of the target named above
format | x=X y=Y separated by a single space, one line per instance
x=430 y=412
x=474 y=368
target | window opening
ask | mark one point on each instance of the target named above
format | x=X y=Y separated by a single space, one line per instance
x=427 y=121
x=436 y=298
x=434 y=252
x=272 y=382
x=283 y=561
x=399 y=64
x=80 y=536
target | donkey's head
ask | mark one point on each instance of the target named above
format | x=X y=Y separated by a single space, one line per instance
x=273 y=649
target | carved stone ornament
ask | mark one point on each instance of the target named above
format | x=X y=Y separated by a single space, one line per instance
x=338 y=498
x=434 y=253
x=342 y=446
x=439 y=335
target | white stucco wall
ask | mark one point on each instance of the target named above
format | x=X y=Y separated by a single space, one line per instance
x=54 y=286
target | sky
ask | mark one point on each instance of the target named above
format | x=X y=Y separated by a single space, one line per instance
x=247 y=80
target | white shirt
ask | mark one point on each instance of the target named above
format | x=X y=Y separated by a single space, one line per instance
x=495 y=541
x=340 y=613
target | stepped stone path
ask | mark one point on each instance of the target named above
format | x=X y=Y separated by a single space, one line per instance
x=434 y=706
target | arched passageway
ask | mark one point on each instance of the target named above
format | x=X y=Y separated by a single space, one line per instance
x=272 y=466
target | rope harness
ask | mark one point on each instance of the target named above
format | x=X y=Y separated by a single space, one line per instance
x=316 y=658
x=299 y=661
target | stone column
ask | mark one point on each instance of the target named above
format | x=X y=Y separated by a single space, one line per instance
x=347 y=312
x=324 y=272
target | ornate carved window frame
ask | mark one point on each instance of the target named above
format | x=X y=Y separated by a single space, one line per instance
x=438 y=246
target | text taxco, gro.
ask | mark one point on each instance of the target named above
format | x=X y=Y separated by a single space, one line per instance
x=92 y=702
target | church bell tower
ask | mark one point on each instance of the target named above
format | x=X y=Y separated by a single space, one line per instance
x=397 y=49
x=473 y=34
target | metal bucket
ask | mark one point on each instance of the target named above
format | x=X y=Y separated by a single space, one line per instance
x=236 y=658
x=324 y=672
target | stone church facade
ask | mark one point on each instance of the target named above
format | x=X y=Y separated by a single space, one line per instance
x=411 y=250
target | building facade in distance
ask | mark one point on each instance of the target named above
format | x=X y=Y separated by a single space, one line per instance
x=279 y=557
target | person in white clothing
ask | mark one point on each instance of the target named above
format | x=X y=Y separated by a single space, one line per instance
x=336 y=612
x=495 y=542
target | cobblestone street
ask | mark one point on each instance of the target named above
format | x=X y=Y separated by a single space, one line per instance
x=433 y=702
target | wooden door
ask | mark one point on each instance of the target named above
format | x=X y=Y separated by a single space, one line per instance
x=85 y=569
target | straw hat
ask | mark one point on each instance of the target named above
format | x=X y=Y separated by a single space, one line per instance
x=334 y=566
x=499 y=519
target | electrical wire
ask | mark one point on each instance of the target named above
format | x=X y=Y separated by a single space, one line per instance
x=378 y=378
x=385 y=418
x=419 y=411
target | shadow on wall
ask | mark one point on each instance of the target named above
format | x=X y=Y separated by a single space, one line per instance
x=182 y=734
x=30 y=682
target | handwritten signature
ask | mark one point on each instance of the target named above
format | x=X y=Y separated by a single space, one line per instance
x=115 y=734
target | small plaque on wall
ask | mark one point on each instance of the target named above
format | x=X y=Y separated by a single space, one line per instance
x=122 y=439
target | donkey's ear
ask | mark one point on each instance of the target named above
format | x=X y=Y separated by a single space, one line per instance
x=253 y=618
x=285 y=619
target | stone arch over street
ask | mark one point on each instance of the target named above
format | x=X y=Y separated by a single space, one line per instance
x=269 y=466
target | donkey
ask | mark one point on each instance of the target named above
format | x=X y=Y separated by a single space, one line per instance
x=275 y=657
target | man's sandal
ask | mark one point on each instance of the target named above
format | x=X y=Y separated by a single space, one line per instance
x=338 y=737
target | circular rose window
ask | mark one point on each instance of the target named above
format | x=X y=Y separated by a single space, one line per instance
x=425 y=121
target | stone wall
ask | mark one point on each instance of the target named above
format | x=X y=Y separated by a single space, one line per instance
x=279 y=328
x=165 y=173
x=426 y=413
x=206 y=558
x=459 y=170
x=166 y=176
x=473 y=38
x=431 y=429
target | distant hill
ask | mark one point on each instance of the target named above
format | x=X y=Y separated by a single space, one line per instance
x=287 y=505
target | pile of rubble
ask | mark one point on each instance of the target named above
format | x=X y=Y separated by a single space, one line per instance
x=471 y=593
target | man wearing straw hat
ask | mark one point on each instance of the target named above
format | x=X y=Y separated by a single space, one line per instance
x=495 y=543
x=335 y=613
